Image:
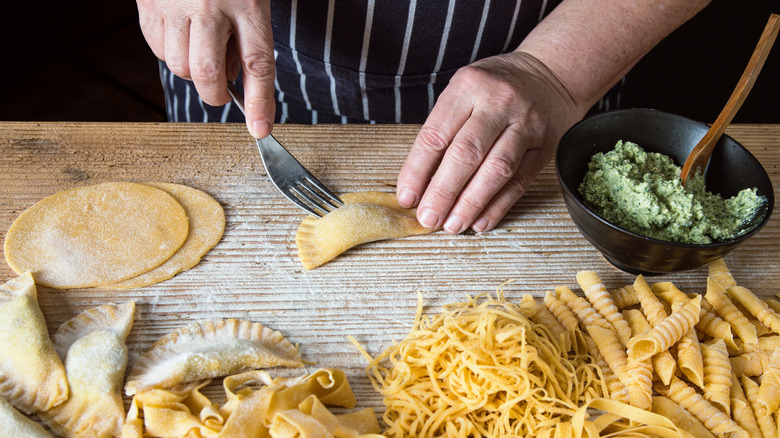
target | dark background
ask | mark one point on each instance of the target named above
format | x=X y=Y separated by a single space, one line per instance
x=87 y=61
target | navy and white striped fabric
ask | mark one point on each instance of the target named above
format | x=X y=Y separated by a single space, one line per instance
x=369 y=61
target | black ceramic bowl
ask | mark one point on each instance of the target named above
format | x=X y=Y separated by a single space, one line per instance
x=731 y=169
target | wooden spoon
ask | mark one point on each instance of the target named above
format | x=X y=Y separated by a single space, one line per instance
x=700 y=155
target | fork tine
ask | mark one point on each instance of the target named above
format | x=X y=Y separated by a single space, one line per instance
x=307 y=191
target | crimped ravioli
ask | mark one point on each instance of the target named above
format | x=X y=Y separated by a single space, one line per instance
x=96 y=235
x=364 y=217
x=207 y=224
x=92 y=346
x=209 y=349
x=32 y=377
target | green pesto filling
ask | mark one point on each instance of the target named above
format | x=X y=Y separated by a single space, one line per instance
x=642 y=192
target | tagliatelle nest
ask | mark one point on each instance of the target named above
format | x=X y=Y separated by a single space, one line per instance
x=482 y=368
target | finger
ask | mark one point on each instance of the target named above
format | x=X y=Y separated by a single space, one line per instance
x=463 y=157
x=531 y=164
x=176 y=35
x=443 y=123
x=255 y=44
x=494 y=173
x=152 y=29
x=208 y=46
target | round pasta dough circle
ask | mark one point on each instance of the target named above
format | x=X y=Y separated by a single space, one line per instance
x=207 y=224
x=95 y=235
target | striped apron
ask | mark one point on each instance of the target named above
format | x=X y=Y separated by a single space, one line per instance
x=369 y=61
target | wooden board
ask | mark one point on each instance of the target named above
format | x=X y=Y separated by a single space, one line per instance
x=370 y=292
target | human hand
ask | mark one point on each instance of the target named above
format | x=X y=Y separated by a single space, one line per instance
x=489 y=134
x=208 y=41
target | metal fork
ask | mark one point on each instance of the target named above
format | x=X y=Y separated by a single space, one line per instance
x=288 y=175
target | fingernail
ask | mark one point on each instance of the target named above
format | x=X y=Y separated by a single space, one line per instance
x=480 y=225
x=261 y=129
x=407 y=198
x=429 y=219
x=454 y=225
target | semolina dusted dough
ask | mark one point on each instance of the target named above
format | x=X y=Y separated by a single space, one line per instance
x=96 y=235
x=364 y=217
x=207 y=224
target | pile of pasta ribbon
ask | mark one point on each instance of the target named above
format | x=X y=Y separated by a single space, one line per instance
x=642 y=360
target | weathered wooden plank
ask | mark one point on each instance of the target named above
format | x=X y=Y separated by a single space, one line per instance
x=370 y=292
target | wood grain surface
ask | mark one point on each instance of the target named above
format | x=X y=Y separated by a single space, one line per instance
x=371 y=291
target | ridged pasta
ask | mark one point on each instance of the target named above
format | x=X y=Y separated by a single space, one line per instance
x=741 y=411
x=667 y=332
x=624 y=296
x=586 y=314
x=651 y=306
x=764 y=418
x=640 y=384
x=601 y=300
x=567 y=319
x=709 y=322
x=713 y=419
x=755 y=306
x=717 y=374
x=721 y=273
x=689 y=354
x=750 y=364
x=617 y=390
x=714 y=326
x=663 y=362
x=716 y=295
x=541 y=315
x=769 y=390
x=609 y=346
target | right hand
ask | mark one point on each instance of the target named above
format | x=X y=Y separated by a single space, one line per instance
x=209 y=41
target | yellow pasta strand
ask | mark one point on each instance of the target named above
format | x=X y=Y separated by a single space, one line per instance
x=667 y=332
x=716 y=295
x=481 y=368
x=764 y=418
x=769 y=390
x=755 y=306
x=663 y=362
x=713 y=419
x=601 y=300
x=717 y=375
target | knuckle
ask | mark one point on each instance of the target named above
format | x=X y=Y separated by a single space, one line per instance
x=466 y=151
x=500 y=167
x=432 y=140
x=259 y=65
x=205 y=71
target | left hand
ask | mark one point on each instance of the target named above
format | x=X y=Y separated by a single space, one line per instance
x=492 y=130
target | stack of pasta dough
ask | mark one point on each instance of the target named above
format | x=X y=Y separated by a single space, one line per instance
x=116 y=235
x=640 y=360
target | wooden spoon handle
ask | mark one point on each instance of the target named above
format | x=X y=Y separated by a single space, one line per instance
x=700 y=155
